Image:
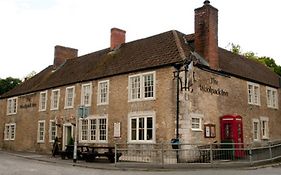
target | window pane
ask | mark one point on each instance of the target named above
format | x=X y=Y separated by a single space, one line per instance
x=134 y=129
x=135 y=87
x=103 y=92
x=102 y=129
x=149 y=132
x=84 y=130
x=93 y=131
x=141 y=128
x=148 y=86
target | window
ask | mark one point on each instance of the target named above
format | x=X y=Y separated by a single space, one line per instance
x=69 y=97
x=86 y=94
x=43 y=101
x=10 y=131
x=52 y=131
x=272 y=98
x=142 y=127
x=103 y=92
x=12 y=105
x=94 y=129
x=196 y=122
x=264 y=128
x=41 y=131
x=253 y=93
x=55 y=99
x=142 y=86
x=256 y=130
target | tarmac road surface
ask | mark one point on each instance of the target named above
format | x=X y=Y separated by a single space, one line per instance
x=11 y=164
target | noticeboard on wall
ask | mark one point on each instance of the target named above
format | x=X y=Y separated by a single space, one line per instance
x=210 y=130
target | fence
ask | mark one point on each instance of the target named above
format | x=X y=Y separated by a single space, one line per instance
x=168 y=155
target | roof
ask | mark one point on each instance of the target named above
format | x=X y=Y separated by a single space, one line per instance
x=156 y=51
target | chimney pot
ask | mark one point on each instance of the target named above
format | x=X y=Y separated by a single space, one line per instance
x=118 y=37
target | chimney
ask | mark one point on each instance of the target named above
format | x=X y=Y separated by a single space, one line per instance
x=62 y=54
x=206 y=33
x=117 y=37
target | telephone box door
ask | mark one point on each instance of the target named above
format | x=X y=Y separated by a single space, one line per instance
x=232 y=132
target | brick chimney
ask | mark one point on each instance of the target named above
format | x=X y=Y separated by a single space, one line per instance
x=62 y=54
x=206 y=33
x=117 y=37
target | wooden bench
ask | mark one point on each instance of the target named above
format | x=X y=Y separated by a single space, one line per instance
x=100 y=151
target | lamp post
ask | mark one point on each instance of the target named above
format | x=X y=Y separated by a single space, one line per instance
x=82 y=112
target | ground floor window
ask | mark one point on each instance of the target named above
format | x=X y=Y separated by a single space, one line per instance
x=256 y=129
x=94 y=129
x=260 y=128
x=142 y=127
x=41 y=131
x=196 y=121
x=52 y=130
x=10 y=131
x=264 y=128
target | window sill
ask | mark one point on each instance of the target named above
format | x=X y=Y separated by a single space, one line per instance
x=142 y=100
x=197 y=130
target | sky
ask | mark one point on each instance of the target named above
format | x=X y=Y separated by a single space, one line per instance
x=30 y=29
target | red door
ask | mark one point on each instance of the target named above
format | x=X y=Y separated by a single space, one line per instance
x=232 y=132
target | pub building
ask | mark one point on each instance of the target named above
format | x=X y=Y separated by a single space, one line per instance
x=167 y=86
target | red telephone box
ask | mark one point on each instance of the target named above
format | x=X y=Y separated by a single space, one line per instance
x=232 y=132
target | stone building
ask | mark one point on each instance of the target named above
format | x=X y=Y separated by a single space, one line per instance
x=170 y=85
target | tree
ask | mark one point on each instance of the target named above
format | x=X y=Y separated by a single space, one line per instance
x=30 y=75
x=267 y=61
x=8 y=84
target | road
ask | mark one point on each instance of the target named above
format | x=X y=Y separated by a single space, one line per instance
x=14 y=165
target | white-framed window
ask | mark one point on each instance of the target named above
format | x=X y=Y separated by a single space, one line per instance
x=256 y=129
x=196 y=121
x=103 y=92
x=52 y=130
x=55 y=99
x=264 y=127
x=93 y=129
x=142 y=86
x=272 y=97
x=12 y=104
x=86 y=94
x=253 y=93
x=69 y=97
x=10 y=131
x=141 y=127
x=41 y=131
x=43 y=101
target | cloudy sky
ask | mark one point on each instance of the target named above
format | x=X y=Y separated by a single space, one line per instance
x=30 y=29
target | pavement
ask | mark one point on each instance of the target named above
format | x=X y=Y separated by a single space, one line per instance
x=105 y=165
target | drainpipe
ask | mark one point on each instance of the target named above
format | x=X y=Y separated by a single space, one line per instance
x=177 y=76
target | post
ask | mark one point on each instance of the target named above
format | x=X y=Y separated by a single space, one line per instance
x=115 y=154
x=75 y=141
x=162 y=154
x=211 y=153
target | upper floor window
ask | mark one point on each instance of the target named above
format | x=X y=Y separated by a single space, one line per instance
x=272 y=97
x=43 y=101
x=103 y=92
x=12 y=105
x=10 y=131
x=41 y=131
x=253 y=93
x=86 y=94
x=69 y=97
x=55 y=99
x=142 y=86
x=142 y=127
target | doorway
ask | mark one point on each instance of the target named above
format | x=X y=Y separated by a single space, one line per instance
x=67 y=135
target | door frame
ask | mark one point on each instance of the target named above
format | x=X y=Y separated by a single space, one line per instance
x=65 y=135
